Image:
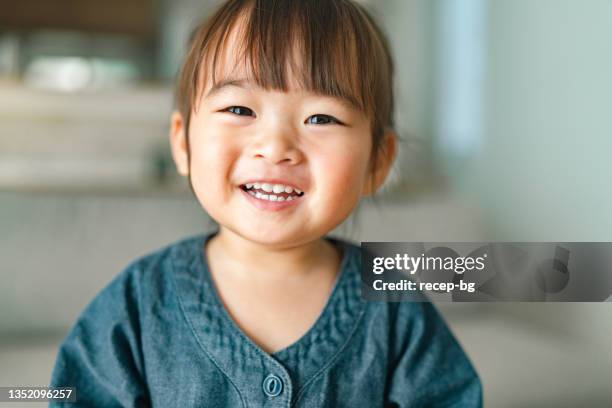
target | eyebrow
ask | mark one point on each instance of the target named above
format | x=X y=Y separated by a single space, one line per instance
x=243 y=83
x=225 y=83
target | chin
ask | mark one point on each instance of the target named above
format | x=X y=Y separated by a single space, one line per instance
x=274 y=239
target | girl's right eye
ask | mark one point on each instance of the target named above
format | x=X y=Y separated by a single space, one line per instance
x=240 y=111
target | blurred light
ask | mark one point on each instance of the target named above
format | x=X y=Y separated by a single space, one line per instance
x=461 y=54
x=59 y=73
x=69 y=74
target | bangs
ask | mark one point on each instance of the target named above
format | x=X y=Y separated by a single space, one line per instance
x=330 y=48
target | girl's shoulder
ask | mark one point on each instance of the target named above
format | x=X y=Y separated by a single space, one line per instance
x=402 y=318
x=155 y=269
x=103 y=353
x=400 y=321
x=147 y=280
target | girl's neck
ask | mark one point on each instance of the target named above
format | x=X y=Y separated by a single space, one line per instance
x=251 y=259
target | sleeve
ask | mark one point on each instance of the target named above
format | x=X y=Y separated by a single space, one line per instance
x=432 y=370
x=101 y=355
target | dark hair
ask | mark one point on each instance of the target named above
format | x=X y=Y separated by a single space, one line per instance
x=332 y=47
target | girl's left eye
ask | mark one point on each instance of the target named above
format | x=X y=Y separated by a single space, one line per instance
x=322 y=120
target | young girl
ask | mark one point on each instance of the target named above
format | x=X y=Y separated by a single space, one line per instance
x=284 y=122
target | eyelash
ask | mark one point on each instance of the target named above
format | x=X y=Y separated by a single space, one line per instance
x=330 y=119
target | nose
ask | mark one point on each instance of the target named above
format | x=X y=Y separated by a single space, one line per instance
x=277 y=144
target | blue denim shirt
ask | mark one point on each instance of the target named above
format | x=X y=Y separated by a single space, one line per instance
x=158 y=335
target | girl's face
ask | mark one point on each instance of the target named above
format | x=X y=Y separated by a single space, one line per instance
x=276 y=168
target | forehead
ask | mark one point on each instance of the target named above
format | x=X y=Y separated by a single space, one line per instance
x=233 y=62
x=283 y=62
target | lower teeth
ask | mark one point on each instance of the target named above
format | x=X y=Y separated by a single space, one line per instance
x=271 y=197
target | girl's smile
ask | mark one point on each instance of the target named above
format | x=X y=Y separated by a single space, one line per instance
x=272 y=195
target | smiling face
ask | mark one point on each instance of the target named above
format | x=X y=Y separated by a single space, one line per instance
x=276 y=167
x=245 y=140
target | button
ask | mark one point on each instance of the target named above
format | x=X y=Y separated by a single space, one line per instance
x=272 y=385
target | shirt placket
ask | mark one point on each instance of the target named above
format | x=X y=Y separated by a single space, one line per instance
x=259 y=379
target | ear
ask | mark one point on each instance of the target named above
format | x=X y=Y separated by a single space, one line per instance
x=385 y=156
x=178 y=143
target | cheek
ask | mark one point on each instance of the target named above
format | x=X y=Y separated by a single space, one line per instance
x=343 y=173
x=212 y=158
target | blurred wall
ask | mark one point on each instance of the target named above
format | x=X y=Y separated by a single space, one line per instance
x=541 y=167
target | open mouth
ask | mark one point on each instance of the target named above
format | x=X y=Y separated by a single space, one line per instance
x=272 y=192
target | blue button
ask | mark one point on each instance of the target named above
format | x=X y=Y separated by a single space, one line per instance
x=272 y=385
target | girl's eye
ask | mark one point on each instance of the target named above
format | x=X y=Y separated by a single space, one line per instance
x=240 y=111
x=322 y=120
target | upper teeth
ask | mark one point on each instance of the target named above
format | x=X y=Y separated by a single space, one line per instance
x=273 y=188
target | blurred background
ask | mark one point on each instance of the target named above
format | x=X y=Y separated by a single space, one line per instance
x=504 y=111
